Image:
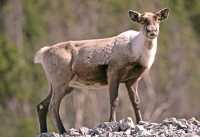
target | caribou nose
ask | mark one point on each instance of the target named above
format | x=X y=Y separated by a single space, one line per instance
x=151 y=28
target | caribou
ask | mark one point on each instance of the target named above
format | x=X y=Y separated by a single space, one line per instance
x=97 y=63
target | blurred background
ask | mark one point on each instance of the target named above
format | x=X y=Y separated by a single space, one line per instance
x=170 y=90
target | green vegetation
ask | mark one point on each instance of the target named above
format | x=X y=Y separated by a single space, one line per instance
x=27 y=25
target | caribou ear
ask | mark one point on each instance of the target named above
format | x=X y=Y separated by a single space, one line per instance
x=135 y=16
x=163 y=14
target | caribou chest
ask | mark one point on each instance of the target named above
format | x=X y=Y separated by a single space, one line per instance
x=131 y=71
x=148 y=53
x=140 y=59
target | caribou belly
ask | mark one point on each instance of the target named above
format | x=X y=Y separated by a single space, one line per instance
x=76 y=82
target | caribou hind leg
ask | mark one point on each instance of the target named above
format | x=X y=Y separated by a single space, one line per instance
x=60 y=92
x=42 y=110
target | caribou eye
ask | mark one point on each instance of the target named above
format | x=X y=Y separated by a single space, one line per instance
x=143 y=20
x=155 y=18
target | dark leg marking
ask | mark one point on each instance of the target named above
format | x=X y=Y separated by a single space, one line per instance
x=42 y=110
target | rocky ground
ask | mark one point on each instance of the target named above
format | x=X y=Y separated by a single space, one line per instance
x=170 y=127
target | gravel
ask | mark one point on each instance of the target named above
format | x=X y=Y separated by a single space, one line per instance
x=170 y=127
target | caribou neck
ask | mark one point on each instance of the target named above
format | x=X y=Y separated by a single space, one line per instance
x=143 y=48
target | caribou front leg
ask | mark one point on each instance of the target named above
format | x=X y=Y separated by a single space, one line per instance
x=134 y=97
x=113 y=81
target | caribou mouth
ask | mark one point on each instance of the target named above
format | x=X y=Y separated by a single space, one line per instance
x=151 y=35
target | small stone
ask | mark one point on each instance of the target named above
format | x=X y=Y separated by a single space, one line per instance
x=128 y=132
x=193 y=120
x=109 y=126
x=126 y=124
x=73 y=132
x=84 y=130
x=170 y=120
x=118 y=134
x=181 y=125
x=139 y=128
x=97 y=131
x=143 y=123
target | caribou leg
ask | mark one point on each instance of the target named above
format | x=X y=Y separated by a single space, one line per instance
x=134 y=97
x=42 y=110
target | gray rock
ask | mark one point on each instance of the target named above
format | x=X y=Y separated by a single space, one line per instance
x=170 y=127
x=109 y=126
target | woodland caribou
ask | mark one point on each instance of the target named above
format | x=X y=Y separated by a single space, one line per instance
x=100 y=62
